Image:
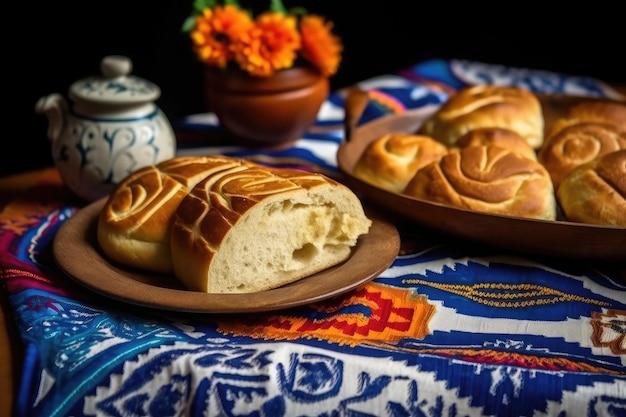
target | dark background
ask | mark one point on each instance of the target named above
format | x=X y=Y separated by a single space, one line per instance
x=51 y=44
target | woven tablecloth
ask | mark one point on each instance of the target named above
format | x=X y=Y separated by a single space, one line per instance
x=447 y=330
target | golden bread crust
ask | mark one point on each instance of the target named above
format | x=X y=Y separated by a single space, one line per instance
x=488 y=179
x=390 y=161
x=496 y=136
x=574 y=142
x=595 y=192
x=604 y=112
x=487 y=105
x=134 y=223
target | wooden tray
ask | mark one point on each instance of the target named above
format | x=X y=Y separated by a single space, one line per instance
x=542 y=237
x=77 y=253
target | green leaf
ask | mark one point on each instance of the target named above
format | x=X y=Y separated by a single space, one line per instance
x=199 y=5
x=277 y=6
x=188 y=24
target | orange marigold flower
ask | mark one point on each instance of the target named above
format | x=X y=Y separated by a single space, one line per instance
x=319 y=45
x=215 y=31
x=271 y=45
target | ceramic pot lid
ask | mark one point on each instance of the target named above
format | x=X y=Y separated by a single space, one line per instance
x=116 y=86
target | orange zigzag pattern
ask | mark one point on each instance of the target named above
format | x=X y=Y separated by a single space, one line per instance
x=375 y=313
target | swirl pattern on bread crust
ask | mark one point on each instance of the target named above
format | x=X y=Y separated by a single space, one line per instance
x=479 y=106
x=595 y=192
x=572 y=143
x=134 y=223
x=390 y=161
x=488 y=179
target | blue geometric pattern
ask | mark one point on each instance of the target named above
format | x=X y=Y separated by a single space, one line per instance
x=113 y=362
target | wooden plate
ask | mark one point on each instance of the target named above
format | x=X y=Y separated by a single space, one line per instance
x=541 y=237
x=77 y=253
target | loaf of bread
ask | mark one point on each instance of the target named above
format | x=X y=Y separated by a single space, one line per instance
x=574 y=142
x=595 y=192
x=488 y=179
x=487 y=105
x=252 y=228
x=497 y=136
x=391 y=160
x=134 y=223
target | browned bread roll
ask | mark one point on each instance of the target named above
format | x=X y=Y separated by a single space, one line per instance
x=572 y=143
x=488 y=179
x=134 y=224
x=390 y=161
x=605 y=112
x=595 y=192
x=496 y=136
x=487 y=105
x=253 y=228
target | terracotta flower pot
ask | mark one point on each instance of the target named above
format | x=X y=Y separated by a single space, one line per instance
x=270 y=111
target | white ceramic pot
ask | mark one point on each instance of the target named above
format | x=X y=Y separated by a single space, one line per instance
x=112 y=129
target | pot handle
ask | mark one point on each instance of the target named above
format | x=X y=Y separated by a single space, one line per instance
x=354 y=105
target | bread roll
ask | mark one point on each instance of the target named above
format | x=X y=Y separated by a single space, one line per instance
x=496 y=136
x=134 y=223
x=254 y=229
x=513 y=108
x=605 y=112
x=390 y=161
x=572 y=143
x=595 y=192
x=488 y=179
